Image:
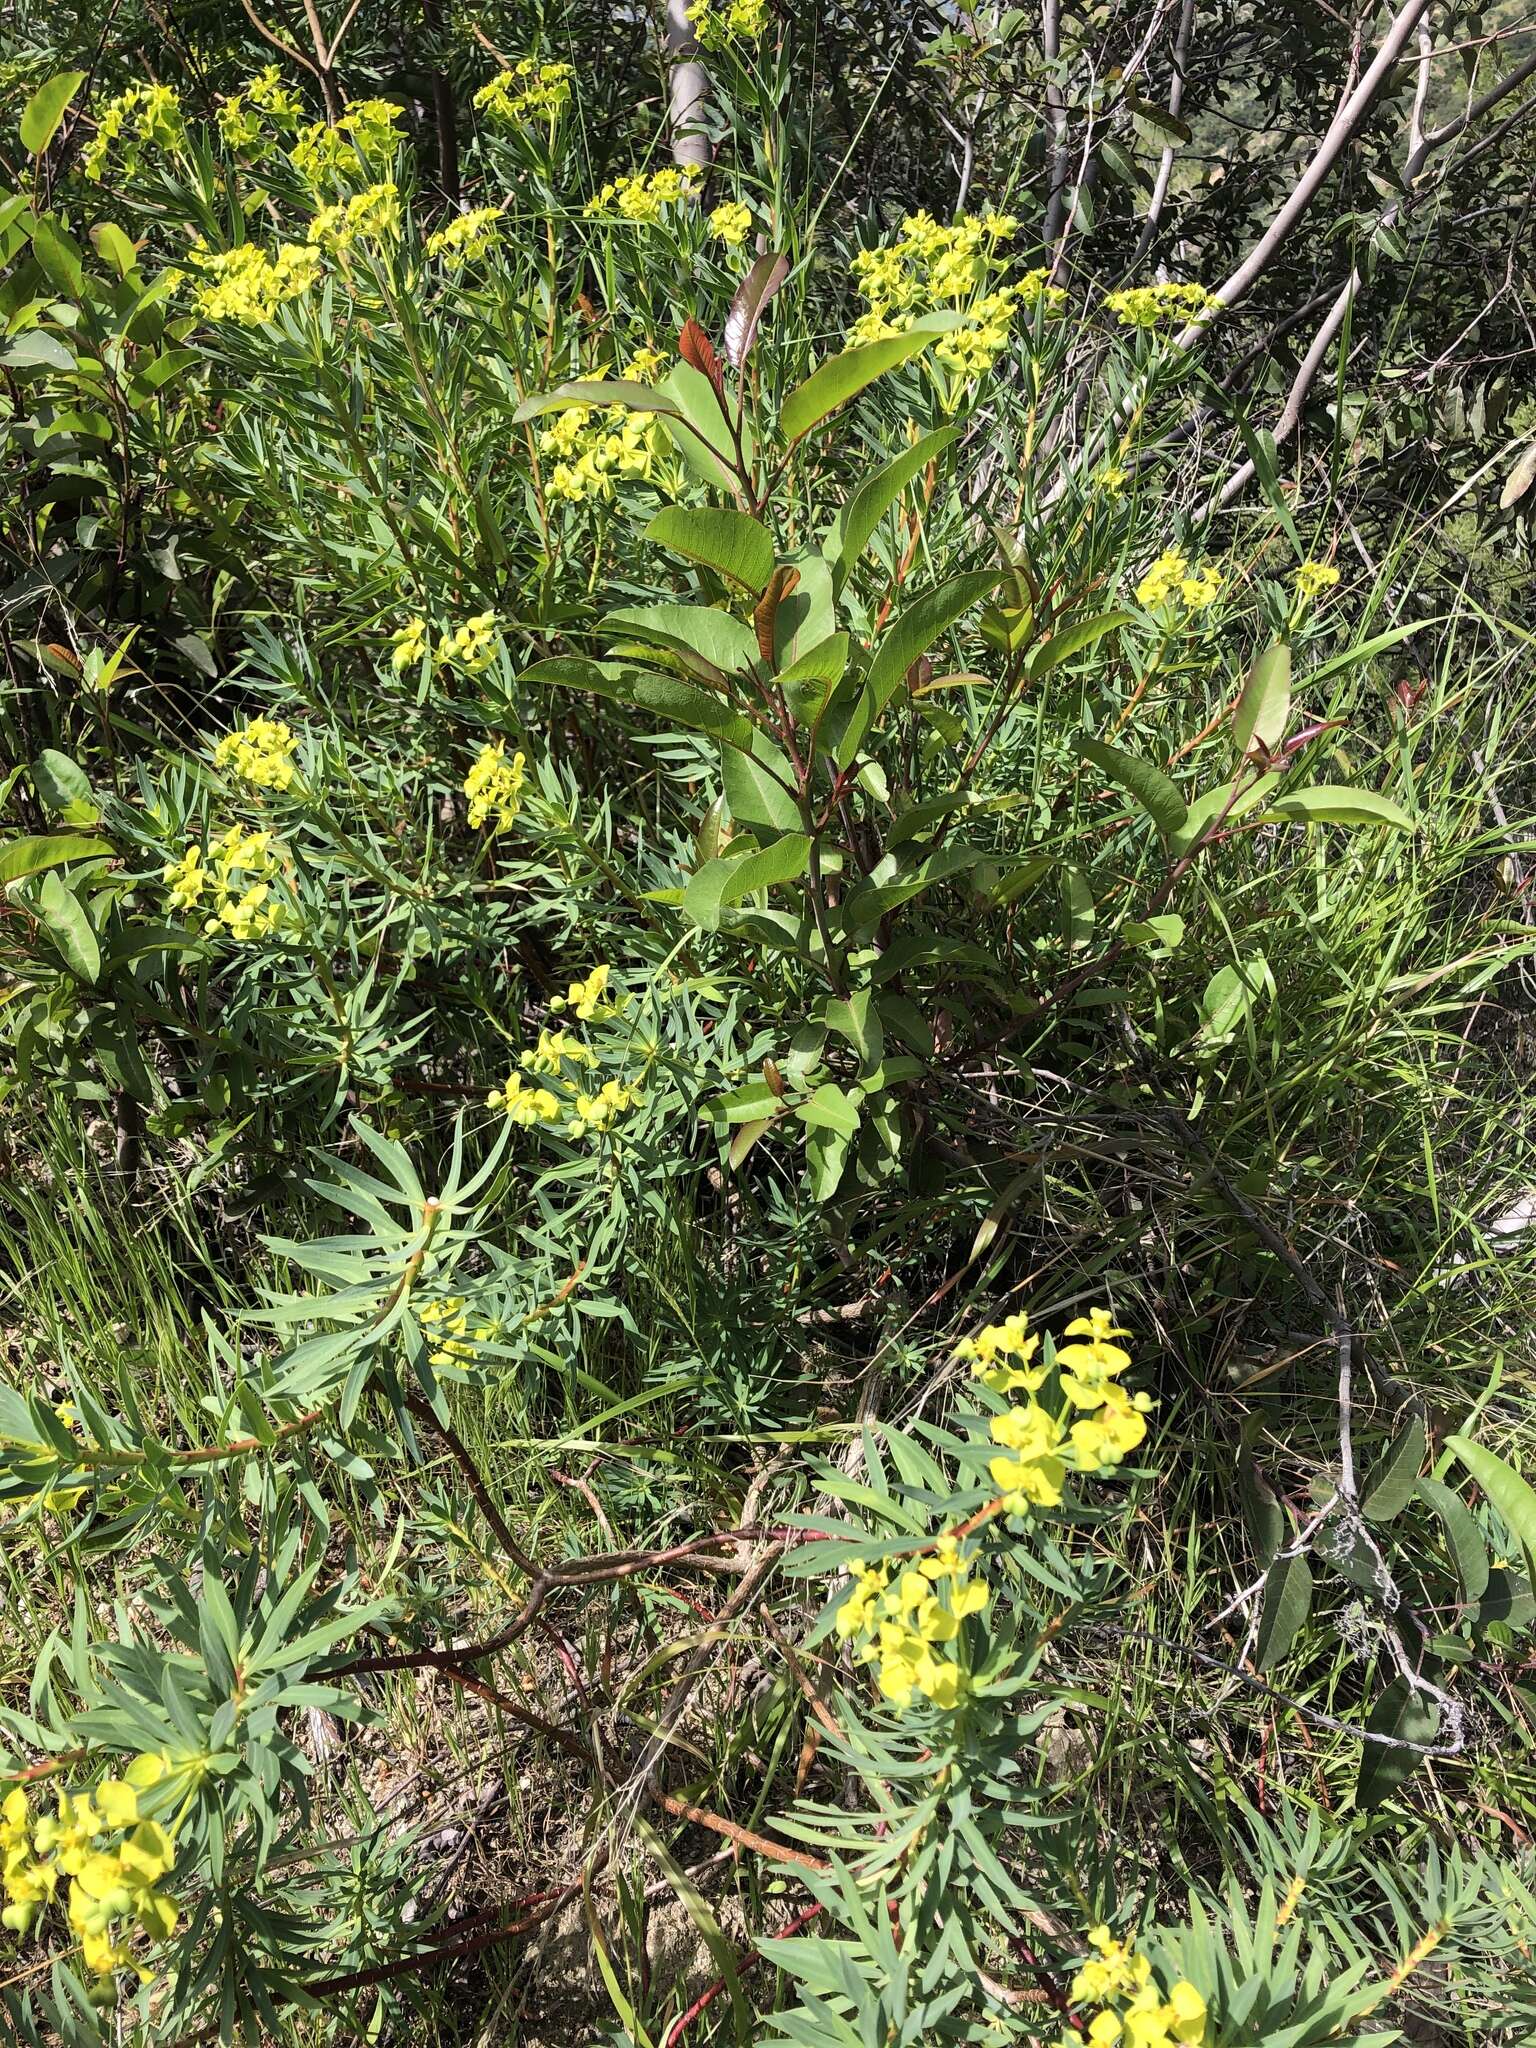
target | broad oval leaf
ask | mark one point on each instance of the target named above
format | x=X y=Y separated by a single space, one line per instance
x=1264 y=705
x=907 y=637
x=1511 y=1495
x=66 y=923
x=598 y=391
x=1229 y=997
x=1286 y=1605
x=846 y=375
x=731 y=877
x=759 y=785
x=732 y=543
x=1336 y=804
x=1072 y=640
x=721 y=642
x=1391 y=1483
x=1149 y=785
x=1402 y=1715
x=45 y=110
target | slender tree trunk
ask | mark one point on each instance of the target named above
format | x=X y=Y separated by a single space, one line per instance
x=445 y=118
x=689 y=88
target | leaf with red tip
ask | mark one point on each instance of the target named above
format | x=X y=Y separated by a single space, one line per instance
x=695 y=347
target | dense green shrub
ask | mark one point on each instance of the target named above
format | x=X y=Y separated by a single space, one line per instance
x=644 y=818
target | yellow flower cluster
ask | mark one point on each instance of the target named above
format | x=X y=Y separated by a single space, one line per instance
x=718 y=22
x=408 y=644
x=594 y=448
x=933 y=267
x=370 y=216
x=450 y=1341
x=591 y=997
x=645 y=365
x=1172 y=576
x=645 y=196
x=145 y=116
x=1313 y=578
x=731 y=223
x=466 y=239
x=472 y=646
x=1043 y=1447
x=366 y=130
x=236 y=887
x=107 y=1886
x=1115 y=1976
x=262 y=103
x=494 y=786
x=1148 y=305
x=529 y=88
x=913 y=1621
x=248 y=285
x=565 y=1060
x=262 y=752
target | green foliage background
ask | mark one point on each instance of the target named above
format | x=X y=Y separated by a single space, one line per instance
x=462 y=1503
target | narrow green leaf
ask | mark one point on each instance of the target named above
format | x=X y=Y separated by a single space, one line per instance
x=1149 y=785
x=1511 y=1495
x=1264 y=705
x=1286 y=1605
x=1072 y=640
x=21 y=857
x=731 y=543
x=903 y=641
x=876 y=494
x=1328 y=804
x=603 y=391
x=845 y=376
x=45 y=110
x=1464 y=1539
x=1390 y=1486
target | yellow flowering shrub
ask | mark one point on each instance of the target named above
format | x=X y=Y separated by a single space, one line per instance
x=365 y=137
x=913 y=1620
x=1133 y=2013
x=1173 y=578
x=718 y=22
x=143 y=117
x=561 y=1095
x=112 y=1886
x=369 y=216
x=234 y=885
x=451 y=1341
x=1313 y=578
x=527 y=89
x=467 y=238
x=594 y=447
x=408 y=644
x=731 y=223
x=471 y=646
x=930 y=267
x=1151 y=305
x=646 y=197
x=494 y=786
x=261 y=753
x=263 y=104
x=247 y=285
